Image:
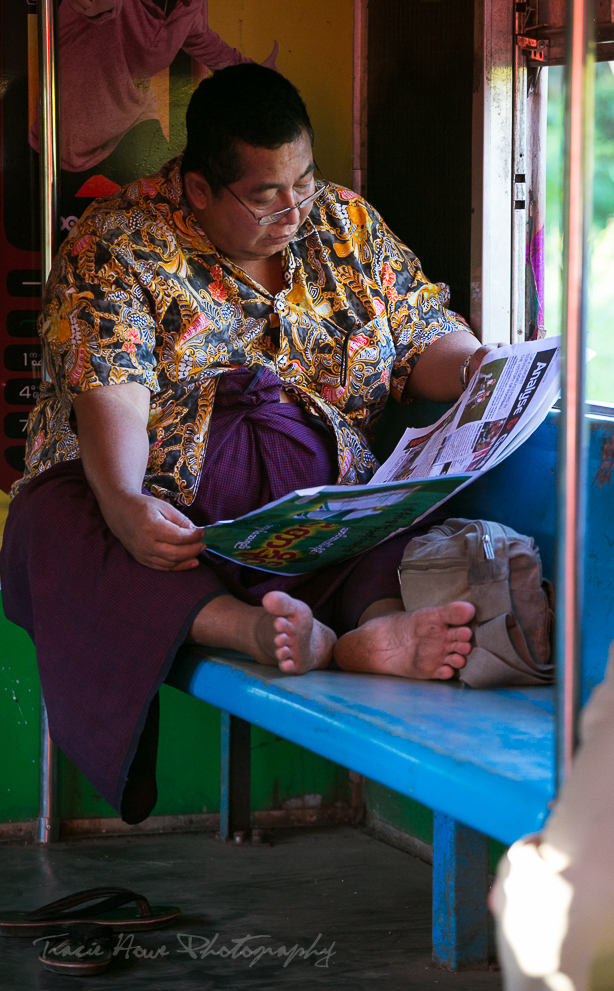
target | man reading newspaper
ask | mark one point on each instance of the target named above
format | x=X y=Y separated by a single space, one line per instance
x=217 y=335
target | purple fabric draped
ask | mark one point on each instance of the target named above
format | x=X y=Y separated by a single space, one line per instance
x=107 y=628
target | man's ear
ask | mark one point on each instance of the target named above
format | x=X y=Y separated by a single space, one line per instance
x=197 y=190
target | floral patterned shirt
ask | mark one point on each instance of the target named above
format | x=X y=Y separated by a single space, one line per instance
x=138 y=293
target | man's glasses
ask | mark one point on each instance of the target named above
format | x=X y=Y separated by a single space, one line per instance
x=272 y=218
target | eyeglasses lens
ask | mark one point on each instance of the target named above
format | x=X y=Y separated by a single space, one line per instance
x=272 y=218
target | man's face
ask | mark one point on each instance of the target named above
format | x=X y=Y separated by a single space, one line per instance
x=272 y=180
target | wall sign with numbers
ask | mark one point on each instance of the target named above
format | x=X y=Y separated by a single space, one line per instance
x=20 y=278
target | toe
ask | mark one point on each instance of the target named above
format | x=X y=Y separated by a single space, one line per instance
x=461 y=633
x=458 y=613
x=460 y=647
x=278 y=603
x=281 y=625
x=444 y=673
x=456 y=660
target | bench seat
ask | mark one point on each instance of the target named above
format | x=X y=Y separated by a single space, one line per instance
x=484 y=758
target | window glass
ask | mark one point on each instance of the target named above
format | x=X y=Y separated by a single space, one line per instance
x=600 y=377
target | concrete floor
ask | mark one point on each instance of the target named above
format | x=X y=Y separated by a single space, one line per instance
x=369 y=902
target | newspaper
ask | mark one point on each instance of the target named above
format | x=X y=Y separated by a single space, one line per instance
x=311 y=528
x=505 y=402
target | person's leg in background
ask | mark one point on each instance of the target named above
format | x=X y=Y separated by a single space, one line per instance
x=554 y=895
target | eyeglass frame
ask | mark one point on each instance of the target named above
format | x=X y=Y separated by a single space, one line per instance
x=272 y=218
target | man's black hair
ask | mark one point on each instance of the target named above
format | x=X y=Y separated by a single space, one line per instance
x=247 y=103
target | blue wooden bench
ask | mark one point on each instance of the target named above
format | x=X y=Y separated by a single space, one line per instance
x=482 y=760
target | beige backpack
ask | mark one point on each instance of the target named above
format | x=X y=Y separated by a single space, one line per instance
x=499 y=571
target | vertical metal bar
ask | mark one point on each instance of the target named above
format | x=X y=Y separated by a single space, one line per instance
x=460 y=882
x=49 y=133
x=359 y=99
x=579 y=82
x=47 y=827
x=519 y=196
x=537 y=119
x=477 y=169
x=235 y=778
x=48 y=822
x=491 y=240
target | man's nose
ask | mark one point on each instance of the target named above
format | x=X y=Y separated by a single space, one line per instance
x=288 y=218
x=289 y=204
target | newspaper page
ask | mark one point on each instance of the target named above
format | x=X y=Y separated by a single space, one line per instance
x=312 y=528
x=507 y=399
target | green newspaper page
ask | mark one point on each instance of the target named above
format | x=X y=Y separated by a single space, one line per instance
x=312 y=528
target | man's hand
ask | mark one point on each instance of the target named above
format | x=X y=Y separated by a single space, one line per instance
x=478 y=357
x=114 y=446
x=91 y=8
x=154 y=532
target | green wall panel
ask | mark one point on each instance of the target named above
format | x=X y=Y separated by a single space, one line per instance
x=282 y=772
x=495 y=852
x=411 y=817
x=399 y=811
x=20 y=722
x=188 y=755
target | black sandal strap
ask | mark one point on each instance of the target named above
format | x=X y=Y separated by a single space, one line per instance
x=116 y=901
x=112 y=898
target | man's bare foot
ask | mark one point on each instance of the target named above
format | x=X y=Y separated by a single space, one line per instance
x=428 y=643
x=299 y=642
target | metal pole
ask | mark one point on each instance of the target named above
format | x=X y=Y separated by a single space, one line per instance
x=359 y=99
x=48 y=823
x=492 y=174
x=49 y=133
x=579 y=82
x=537 y=116
x=519 y=199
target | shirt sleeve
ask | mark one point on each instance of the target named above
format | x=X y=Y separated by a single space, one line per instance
x=416 y=308
x=204 y=45
x=97 y=324
x=68 y=12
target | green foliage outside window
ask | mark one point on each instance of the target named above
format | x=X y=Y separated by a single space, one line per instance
x=600 y=380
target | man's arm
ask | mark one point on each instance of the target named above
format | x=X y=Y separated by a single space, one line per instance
x=114 y=446
x=436 y=374
x=92 y=8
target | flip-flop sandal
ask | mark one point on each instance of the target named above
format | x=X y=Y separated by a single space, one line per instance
x=81 y=953
x=65 y=912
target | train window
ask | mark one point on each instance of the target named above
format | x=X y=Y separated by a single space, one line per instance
x=600 y=381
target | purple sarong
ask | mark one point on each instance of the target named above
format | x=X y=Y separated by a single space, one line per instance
x=107 y=628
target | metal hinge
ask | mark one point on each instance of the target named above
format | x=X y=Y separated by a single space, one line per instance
x=537 y=49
